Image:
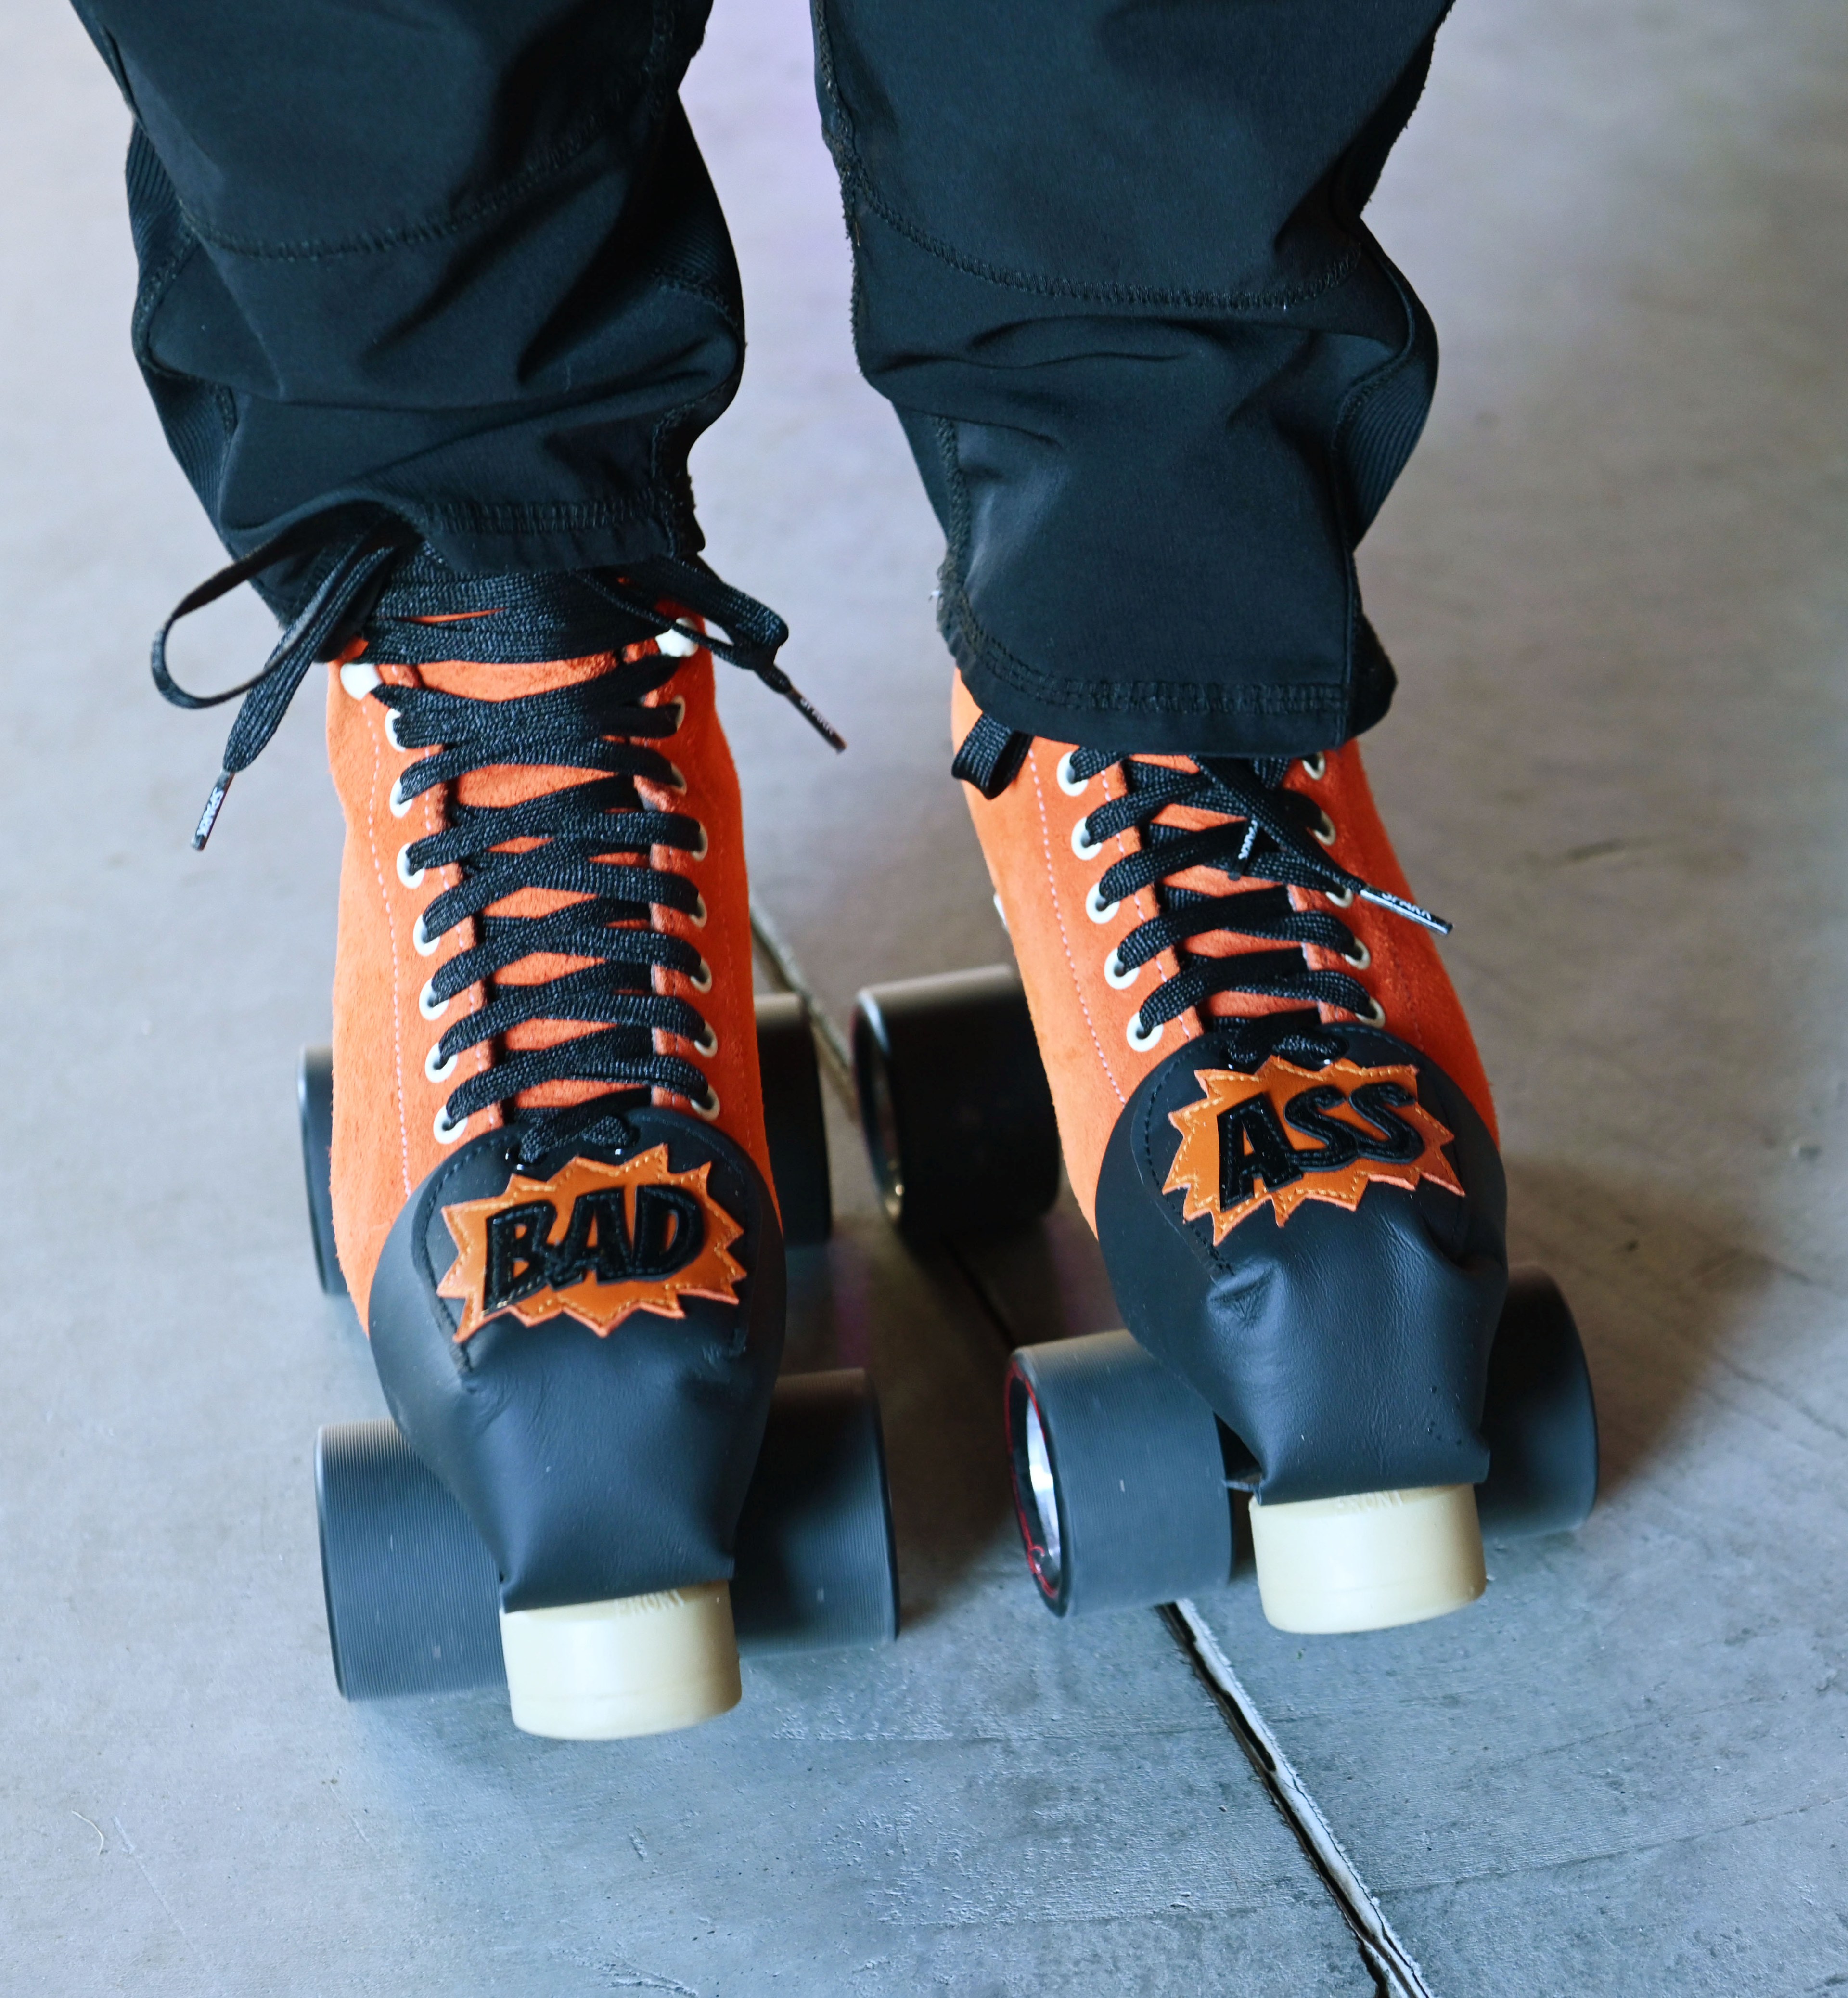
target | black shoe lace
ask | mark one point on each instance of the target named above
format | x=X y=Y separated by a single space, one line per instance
x=1265 y=833
x=376 y=579
x=593 y=839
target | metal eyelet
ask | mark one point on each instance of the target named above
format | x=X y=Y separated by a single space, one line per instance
x=709 y=1045
x=1342 y=898
x=712 y=1098
x=1138 y=1039
x=1375 y=1015
x=679 y=707
x=1073 y=786
x=422 y=942
x=445 y=1132
x=412 y=877
x=399 y=804
x=1082 y=844
x=701 y=980
x=675 y=780
x=435 y=1070
x=1116 y=977
x=674 y=644
x=1324 y=832
x=1360 y=957
x=699 y=852
x=1315 y=766
x=698 y=917
x=1097 y=908
x=390 y=730
x=429 y=1004
x=359 y=679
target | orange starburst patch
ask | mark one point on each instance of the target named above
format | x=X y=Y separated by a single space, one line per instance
x=1287 y=1134
x=593 y=1242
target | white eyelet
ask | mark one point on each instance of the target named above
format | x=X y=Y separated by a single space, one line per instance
x=424 y=945
x=709 y=1045
x=699 y=852
x=438 y=1071
x=1116 y=977
x=1375 y=1015
x=1324 y=832
x=698 y=917
x=1082 y=844
x=1360 y=957
x=711 y=1098
x=701 y=980
x=390 y=730
x=1097 y=908
x=359 y=679
x=1137 y=1039
x=1315 y=766
x=412 y=877
x=1073 y=787
x=675 y=781
x=1342 y=898
x=429 y=1004
x=399 y=803
x=445 y=1132
x=676 y=643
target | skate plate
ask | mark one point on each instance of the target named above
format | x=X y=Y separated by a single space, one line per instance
x=412 y=1597
x=1124 y=1480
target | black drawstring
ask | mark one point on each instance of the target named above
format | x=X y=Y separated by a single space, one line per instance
x=561 y=615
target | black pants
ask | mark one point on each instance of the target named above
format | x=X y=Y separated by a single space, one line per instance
x=460 y=259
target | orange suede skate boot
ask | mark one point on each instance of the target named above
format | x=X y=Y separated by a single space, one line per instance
x=1274 y=1116
x=551 y=1184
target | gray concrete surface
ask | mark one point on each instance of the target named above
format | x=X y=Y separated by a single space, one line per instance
x=1613 y=580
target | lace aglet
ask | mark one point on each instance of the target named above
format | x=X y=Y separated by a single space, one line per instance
x=819 y=722
x=214 y=805
x=1410 y=910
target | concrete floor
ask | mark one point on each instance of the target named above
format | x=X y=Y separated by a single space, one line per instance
x=1613 y=582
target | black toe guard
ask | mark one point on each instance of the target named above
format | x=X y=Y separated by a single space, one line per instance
x=594 y=1465
x=1346 y=1350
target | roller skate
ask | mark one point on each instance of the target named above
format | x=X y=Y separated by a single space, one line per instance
x=1274 y=1115
x=550 y=1187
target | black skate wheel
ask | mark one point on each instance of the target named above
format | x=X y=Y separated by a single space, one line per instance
x=1539 y=1418
x=413 y=1599
x=818 y=1567
x=1119 y=1479
x=792 y=1118
x=314 y=1100
x=954 y=1103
